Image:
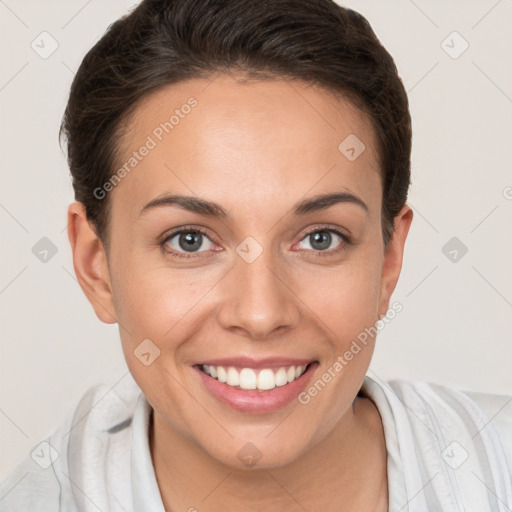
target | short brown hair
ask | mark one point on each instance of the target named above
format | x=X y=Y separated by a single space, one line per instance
x=162 y=42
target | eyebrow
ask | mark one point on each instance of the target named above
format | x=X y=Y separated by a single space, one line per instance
x=201 y=206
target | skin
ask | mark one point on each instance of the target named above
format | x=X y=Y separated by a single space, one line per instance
x=256 y=149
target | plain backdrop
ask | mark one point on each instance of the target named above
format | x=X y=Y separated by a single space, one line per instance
x=455 y=327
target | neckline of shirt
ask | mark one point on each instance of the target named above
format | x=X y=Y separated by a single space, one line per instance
x=146 y=493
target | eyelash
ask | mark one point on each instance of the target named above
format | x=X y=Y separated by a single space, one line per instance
x=346 y=241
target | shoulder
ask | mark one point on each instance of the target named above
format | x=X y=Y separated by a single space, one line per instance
x=43 y=480
x=446 y=446
x=477 y=409
x=451 y=414
x=497 y=409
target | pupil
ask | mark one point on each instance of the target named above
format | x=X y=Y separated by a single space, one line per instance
x=322 y=238
x=190 y=241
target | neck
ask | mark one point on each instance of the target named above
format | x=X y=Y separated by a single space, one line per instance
x=345 y=471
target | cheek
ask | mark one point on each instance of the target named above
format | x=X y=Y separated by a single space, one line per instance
x=346 y=298
x=152 y=302
x=156 y=309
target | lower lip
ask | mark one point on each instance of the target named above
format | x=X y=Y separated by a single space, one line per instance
x=254 y=401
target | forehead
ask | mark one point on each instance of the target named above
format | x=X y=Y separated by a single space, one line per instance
x=261 y=139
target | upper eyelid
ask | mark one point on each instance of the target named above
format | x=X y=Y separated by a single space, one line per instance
x=185 y=229
x=336 y=230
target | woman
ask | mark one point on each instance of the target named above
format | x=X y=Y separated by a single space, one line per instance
x=241 y=172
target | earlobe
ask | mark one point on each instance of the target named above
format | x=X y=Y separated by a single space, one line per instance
x=90 y=263
x=393 y=257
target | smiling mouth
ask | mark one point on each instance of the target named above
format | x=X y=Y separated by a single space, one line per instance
x=263 y=379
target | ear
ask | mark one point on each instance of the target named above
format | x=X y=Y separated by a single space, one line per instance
x=393 y=257
x=90 y=263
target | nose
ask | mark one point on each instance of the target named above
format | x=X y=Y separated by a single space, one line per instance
x=258 y=299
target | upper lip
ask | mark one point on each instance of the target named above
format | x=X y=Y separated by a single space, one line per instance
x=247 y=362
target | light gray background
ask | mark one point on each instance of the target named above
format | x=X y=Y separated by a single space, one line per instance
x=456 y=322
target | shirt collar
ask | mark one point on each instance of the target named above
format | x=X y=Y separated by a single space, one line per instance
x=146 y=494
x=145 y=491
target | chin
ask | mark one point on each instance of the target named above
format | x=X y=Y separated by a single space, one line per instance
x=259 y=452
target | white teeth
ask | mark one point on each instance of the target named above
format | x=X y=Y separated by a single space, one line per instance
x=233 y=377
x=281 y=379
x=222 y=375
x=248 y=379
x=266 y=379
x=298 y=371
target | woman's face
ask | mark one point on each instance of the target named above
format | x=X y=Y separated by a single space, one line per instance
x=273 y=277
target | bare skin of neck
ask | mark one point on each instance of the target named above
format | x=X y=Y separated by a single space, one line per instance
x=342 y=473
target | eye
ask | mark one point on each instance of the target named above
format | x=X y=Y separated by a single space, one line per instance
x=321 y=240
x=186 y=240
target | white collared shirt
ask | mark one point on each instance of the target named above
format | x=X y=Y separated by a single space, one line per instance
x=448 y=451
